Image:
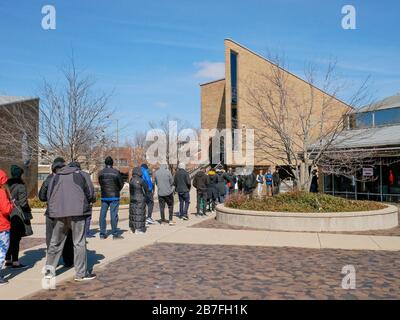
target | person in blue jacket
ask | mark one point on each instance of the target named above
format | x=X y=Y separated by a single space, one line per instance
x=146 y=176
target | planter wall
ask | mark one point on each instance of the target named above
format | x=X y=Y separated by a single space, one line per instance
x=293 y=221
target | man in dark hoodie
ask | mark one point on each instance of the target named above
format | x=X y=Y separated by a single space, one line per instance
x=68 y=250
x=182 y=187
x=138 y=190
x=200 y=182
x=69 y=201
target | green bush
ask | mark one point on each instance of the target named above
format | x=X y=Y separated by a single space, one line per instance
x=37 y=204
x=301 y=202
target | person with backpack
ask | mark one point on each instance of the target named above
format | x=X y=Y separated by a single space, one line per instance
x=249 y=183
x=20 y=217
x=6 y=207
x=147 y=177
x=182 y=187
x=260 y=183
x=68 y=250
x=268 y=182
x=111 y=184
x=138 y=190
x=69 y=199
x=200 y=182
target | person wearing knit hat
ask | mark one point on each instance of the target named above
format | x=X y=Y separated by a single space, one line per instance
x=19 y=194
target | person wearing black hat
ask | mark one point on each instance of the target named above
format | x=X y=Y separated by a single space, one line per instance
x=19 y=195
x=68 y=251
x=111 y=184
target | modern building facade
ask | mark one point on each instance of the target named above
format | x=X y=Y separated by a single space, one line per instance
x=374 y=131
x=225 y=102
x=19 y=121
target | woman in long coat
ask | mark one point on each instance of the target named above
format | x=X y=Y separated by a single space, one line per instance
x=137 y=207
x=19 y=194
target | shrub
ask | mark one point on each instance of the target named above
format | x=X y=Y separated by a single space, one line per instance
x=301 y=202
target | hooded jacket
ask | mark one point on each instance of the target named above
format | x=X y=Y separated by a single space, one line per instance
x=164 y=181
x=221 y=183
x=201 y=181
x=6 y=205
x=68 y=194
x=147 y=178
x=182 y=181
x=138 y=188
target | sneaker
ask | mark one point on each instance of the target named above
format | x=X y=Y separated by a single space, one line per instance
x=89 y=276
x=19 y=266
x=103 y=237
x=139 y=232
x=48 y=275
x=163 y=221
x=172 y=223
x=150 y=221
x=8 y=264
x=185 y=218
x=3 y=281
x=118 y=237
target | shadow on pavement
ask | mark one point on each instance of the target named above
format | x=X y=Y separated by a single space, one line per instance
x=30 y=258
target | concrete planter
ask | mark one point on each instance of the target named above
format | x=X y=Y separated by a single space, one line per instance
x=299 y=221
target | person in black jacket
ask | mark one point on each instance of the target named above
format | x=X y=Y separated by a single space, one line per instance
x=230 y=180
x=111 y=184
x=138 y=191
x=212 y=190
x=249 y=183
x=200 y=182
x=68 y=250
x=20 y=196
x=314 y=182
x=182 y=187
x=221 y=186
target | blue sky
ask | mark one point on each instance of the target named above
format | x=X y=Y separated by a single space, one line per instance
x=154 y=54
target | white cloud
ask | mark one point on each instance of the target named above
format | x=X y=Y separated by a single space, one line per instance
x=210 y=70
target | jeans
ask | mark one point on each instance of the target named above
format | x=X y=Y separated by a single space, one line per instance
x=169 y=200
x=221 y=198
x=114 y=205
x=150 y=205
x=4 y=244
x=184 y=201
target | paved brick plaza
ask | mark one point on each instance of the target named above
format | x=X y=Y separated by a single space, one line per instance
x=179 y=271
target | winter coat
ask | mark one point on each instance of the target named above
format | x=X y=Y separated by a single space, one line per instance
x=138 y=190
x=221 y=183
x=182 y=181
x=212 y=191
x=68 y=194
x=314 y=184
x=276 y=179
x=164 y=181
x=249 y=182
x=200 y=181
x=6 y=206
x=19 y=194
x=146 y=176
x=111 y=183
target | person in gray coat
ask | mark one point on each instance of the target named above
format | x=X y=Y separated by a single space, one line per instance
x=69 y=201
x=182 y=186
x=165 y=191
x=138 y=191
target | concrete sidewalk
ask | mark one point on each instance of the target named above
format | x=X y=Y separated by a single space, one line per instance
x=23 y=283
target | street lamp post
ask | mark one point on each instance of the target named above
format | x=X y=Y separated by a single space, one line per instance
x=117 y=139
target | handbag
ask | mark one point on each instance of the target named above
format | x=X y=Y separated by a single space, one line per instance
x=25 y=218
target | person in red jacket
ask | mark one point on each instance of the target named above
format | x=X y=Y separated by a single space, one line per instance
x=6 y=206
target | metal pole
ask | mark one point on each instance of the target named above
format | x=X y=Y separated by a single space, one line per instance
x=118 y=145
x=380 y=178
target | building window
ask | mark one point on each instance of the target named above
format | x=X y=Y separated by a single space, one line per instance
x=387 y=117
x=361 y=120
x=234 y=77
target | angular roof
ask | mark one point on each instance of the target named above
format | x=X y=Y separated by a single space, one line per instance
x=387 y=103
x=368 y=138
x=12 y=99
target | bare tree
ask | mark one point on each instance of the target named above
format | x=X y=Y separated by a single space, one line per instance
x=298 y=122
x=73 y=119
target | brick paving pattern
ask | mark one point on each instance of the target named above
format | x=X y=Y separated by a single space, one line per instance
x=178 y=271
